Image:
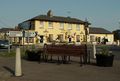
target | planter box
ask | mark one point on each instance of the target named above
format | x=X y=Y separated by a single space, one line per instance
x=104 y=60
x=32 y=55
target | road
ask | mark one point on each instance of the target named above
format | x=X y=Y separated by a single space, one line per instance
x=116 y=51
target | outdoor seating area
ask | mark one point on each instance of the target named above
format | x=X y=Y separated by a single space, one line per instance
x=60 y=54
x=61 y=63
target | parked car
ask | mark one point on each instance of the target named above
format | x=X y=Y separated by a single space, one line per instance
x=5 y=44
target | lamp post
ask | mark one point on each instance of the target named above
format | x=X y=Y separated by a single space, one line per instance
x=86 y=33
x=8 y=41
x=119 y=24
x=86 y=30
x=9 y=45
x=118 y=40
x=23 y=33
x=28 y=39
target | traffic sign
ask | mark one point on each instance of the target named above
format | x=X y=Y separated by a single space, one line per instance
x=21 y=34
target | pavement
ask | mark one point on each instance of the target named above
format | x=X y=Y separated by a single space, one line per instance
x=33 y=71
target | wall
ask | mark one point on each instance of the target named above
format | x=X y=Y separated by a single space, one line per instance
x=45 y=30
x=110 y=37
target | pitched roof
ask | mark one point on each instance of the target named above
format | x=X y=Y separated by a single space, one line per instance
x=94 y=30
x=58 y=19
x=6 y=29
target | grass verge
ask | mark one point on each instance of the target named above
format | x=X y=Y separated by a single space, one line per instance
x=11 y=54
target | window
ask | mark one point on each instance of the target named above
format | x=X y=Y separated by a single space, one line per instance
x=15 y=39
x=30 y=40
x=69 y=26
x=61 y=25
x=50 y=24
x=27 y=41
x=92 y=38
x=78 y=38
x=78 y=27
x=60 y=37
x=50 y=37
x=41 y=24
x=41 y=38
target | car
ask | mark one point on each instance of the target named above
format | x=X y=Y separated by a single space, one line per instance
x=5 y=44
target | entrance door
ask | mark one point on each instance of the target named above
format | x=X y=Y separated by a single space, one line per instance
x=78 y=38
x=41 y=39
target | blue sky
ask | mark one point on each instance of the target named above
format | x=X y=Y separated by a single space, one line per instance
x=100 y=13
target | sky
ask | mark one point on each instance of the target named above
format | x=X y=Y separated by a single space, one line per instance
x=100 y=13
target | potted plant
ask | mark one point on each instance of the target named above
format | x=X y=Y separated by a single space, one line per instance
x=32 y=54
x=105 y=57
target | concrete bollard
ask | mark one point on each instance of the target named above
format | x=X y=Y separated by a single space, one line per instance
x=94 y=50
x=118 y=42
x=18 y=71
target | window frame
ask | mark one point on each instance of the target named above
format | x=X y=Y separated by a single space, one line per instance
x=50 y=38
x=61 y=25
x=29 y=40
x=78 y=27
x=41 y=23
x=69 y=26
x=50 y=24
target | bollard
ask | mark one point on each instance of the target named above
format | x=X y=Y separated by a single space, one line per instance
x=118 y=42
x=94 y=50
x=18 y=71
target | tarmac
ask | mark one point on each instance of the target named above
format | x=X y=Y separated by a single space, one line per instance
x=34 y=71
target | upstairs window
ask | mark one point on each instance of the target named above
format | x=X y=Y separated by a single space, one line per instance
x=61 y=25
x=50 y=24
x=78 y=27
x=41 y=24
x=69 y=26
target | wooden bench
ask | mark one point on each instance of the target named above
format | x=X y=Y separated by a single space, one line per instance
x=66 y=51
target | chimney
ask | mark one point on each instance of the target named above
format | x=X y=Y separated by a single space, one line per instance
x=50 y=13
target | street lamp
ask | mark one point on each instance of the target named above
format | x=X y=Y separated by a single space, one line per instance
x=86 y=34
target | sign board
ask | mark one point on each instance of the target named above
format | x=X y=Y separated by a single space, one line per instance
x=29 y=34
x=15 y=33
x=20 y=34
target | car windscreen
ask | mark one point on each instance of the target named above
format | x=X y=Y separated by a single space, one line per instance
x=4 y=42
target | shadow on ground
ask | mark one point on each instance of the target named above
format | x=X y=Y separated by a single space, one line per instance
x=9 y=70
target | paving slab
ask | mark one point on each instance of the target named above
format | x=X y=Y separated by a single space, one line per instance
x=33 y=71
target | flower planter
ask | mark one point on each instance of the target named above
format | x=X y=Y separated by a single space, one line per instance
x=104 y=60
x=32 y=55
